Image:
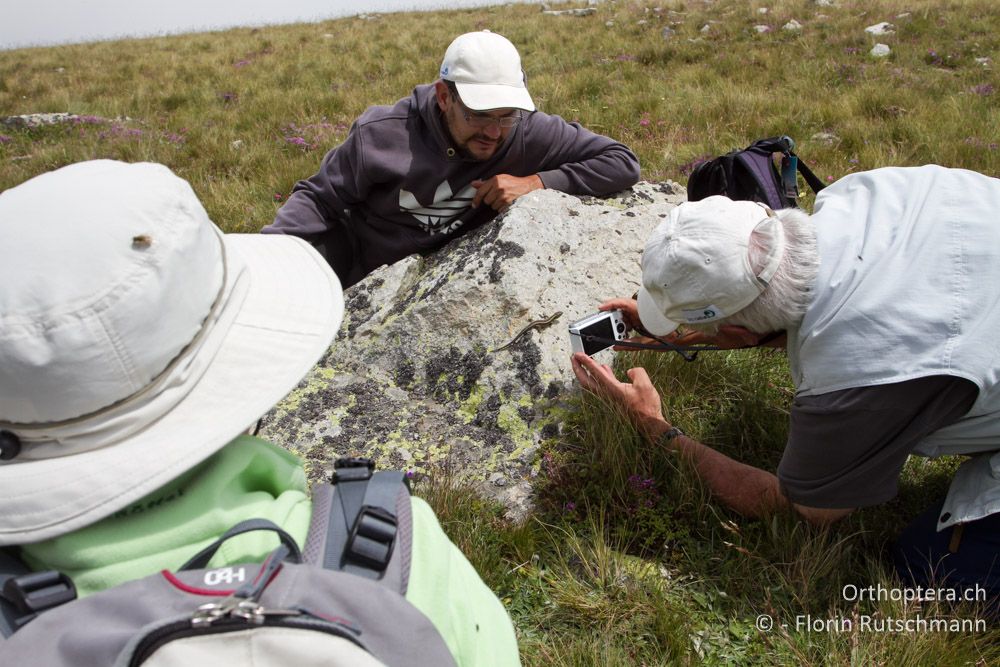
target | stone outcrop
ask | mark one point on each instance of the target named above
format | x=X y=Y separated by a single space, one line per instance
x=414 y=378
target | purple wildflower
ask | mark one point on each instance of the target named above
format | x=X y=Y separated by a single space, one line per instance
x=241 y=63
x=4 y=139
x=569 y=506
x=983 y=89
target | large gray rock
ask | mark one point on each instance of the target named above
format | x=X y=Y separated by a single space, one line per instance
x=412 y=379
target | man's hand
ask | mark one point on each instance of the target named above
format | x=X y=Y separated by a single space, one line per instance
x=639 y=398
x=629 y=308
x=500 y=191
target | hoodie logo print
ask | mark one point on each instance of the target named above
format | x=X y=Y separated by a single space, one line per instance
x=439 y=217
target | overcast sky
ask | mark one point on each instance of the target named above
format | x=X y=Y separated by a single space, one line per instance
x=46 y=22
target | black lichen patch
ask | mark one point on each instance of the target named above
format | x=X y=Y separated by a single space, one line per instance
x=528 y=359
x=370 y=401
x=358 y=303
x=635 y=197
x=404 y=373
x=488 y=413
x=454 y=373
x=553 y=390
x=526 y=413
x=311 y=409
x=549 y=431
x=505 y=250
x=665 y=188
x=488 y=420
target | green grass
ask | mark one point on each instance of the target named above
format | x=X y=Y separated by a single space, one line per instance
x=626 y=560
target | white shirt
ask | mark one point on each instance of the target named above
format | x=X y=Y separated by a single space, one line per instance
x=909 y=286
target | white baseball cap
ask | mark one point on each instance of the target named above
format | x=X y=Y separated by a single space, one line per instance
x=486 y=69
x=136 y=339
x=696 y=265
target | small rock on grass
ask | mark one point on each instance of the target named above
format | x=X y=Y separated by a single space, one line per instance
x=880 y=50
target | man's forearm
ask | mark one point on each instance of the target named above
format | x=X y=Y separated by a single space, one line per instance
x=612 y=171
x=572 y=159
x=748 y=490
x=300 y=216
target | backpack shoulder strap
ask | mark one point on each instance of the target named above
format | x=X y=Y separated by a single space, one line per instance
x=25 y=594
x=785 y=144
x=760 y=166
x=362 y=524
x=810 y=177
x=10 y=567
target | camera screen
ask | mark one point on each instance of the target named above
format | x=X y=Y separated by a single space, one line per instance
x=601 y=329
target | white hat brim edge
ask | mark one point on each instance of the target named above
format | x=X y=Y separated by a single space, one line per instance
x=652 y=319
x=292 y=311
x=486 y=97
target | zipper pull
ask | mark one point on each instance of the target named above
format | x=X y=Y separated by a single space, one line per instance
x=243 y=602
x=210 y=612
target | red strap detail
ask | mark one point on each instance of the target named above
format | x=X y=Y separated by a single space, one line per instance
x=177 y=583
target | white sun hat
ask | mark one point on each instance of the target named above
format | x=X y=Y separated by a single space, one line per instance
x=696 y=265
x=486 y=69
x=136 y=339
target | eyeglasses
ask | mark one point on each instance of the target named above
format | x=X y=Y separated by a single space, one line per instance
x=482 y=121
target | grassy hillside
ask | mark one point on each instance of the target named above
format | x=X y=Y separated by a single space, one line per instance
x=626 y=561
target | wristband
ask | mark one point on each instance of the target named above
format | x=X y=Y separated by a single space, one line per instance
x=669 y=435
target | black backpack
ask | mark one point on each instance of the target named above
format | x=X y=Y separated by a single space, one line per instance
x=751 y=174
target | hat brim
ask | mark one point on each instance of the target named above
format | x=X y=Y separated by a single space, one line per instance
x=486 y=97
x=652 y=319
x=292 y=309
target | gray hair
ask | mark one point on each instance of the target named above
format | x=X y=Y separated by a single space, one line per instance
x=783 y=303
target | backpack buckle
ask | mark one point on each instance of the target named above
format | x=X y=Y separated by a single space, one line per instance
x=372 y=538
x=350 y=468
x=37 y=591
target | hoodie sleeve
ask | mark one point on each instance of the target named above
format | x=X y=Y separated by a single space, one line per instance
x=339 y=186
x=575 y=160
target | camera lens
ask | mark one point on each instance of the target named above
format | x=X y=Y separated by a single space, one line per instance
x=621 y=327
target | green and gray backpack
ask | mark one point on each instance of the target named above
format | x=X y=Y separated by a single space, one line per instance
x=338 y=601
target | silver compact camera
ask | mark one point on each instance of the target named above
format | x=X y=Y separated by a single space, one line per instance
x=597 y=332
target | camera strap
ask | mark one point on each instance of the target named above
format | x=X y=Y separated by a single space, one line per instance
x=687 y=352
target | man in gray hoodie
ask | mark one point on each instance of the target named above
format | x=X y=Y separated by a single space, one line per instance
x=412 y=176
